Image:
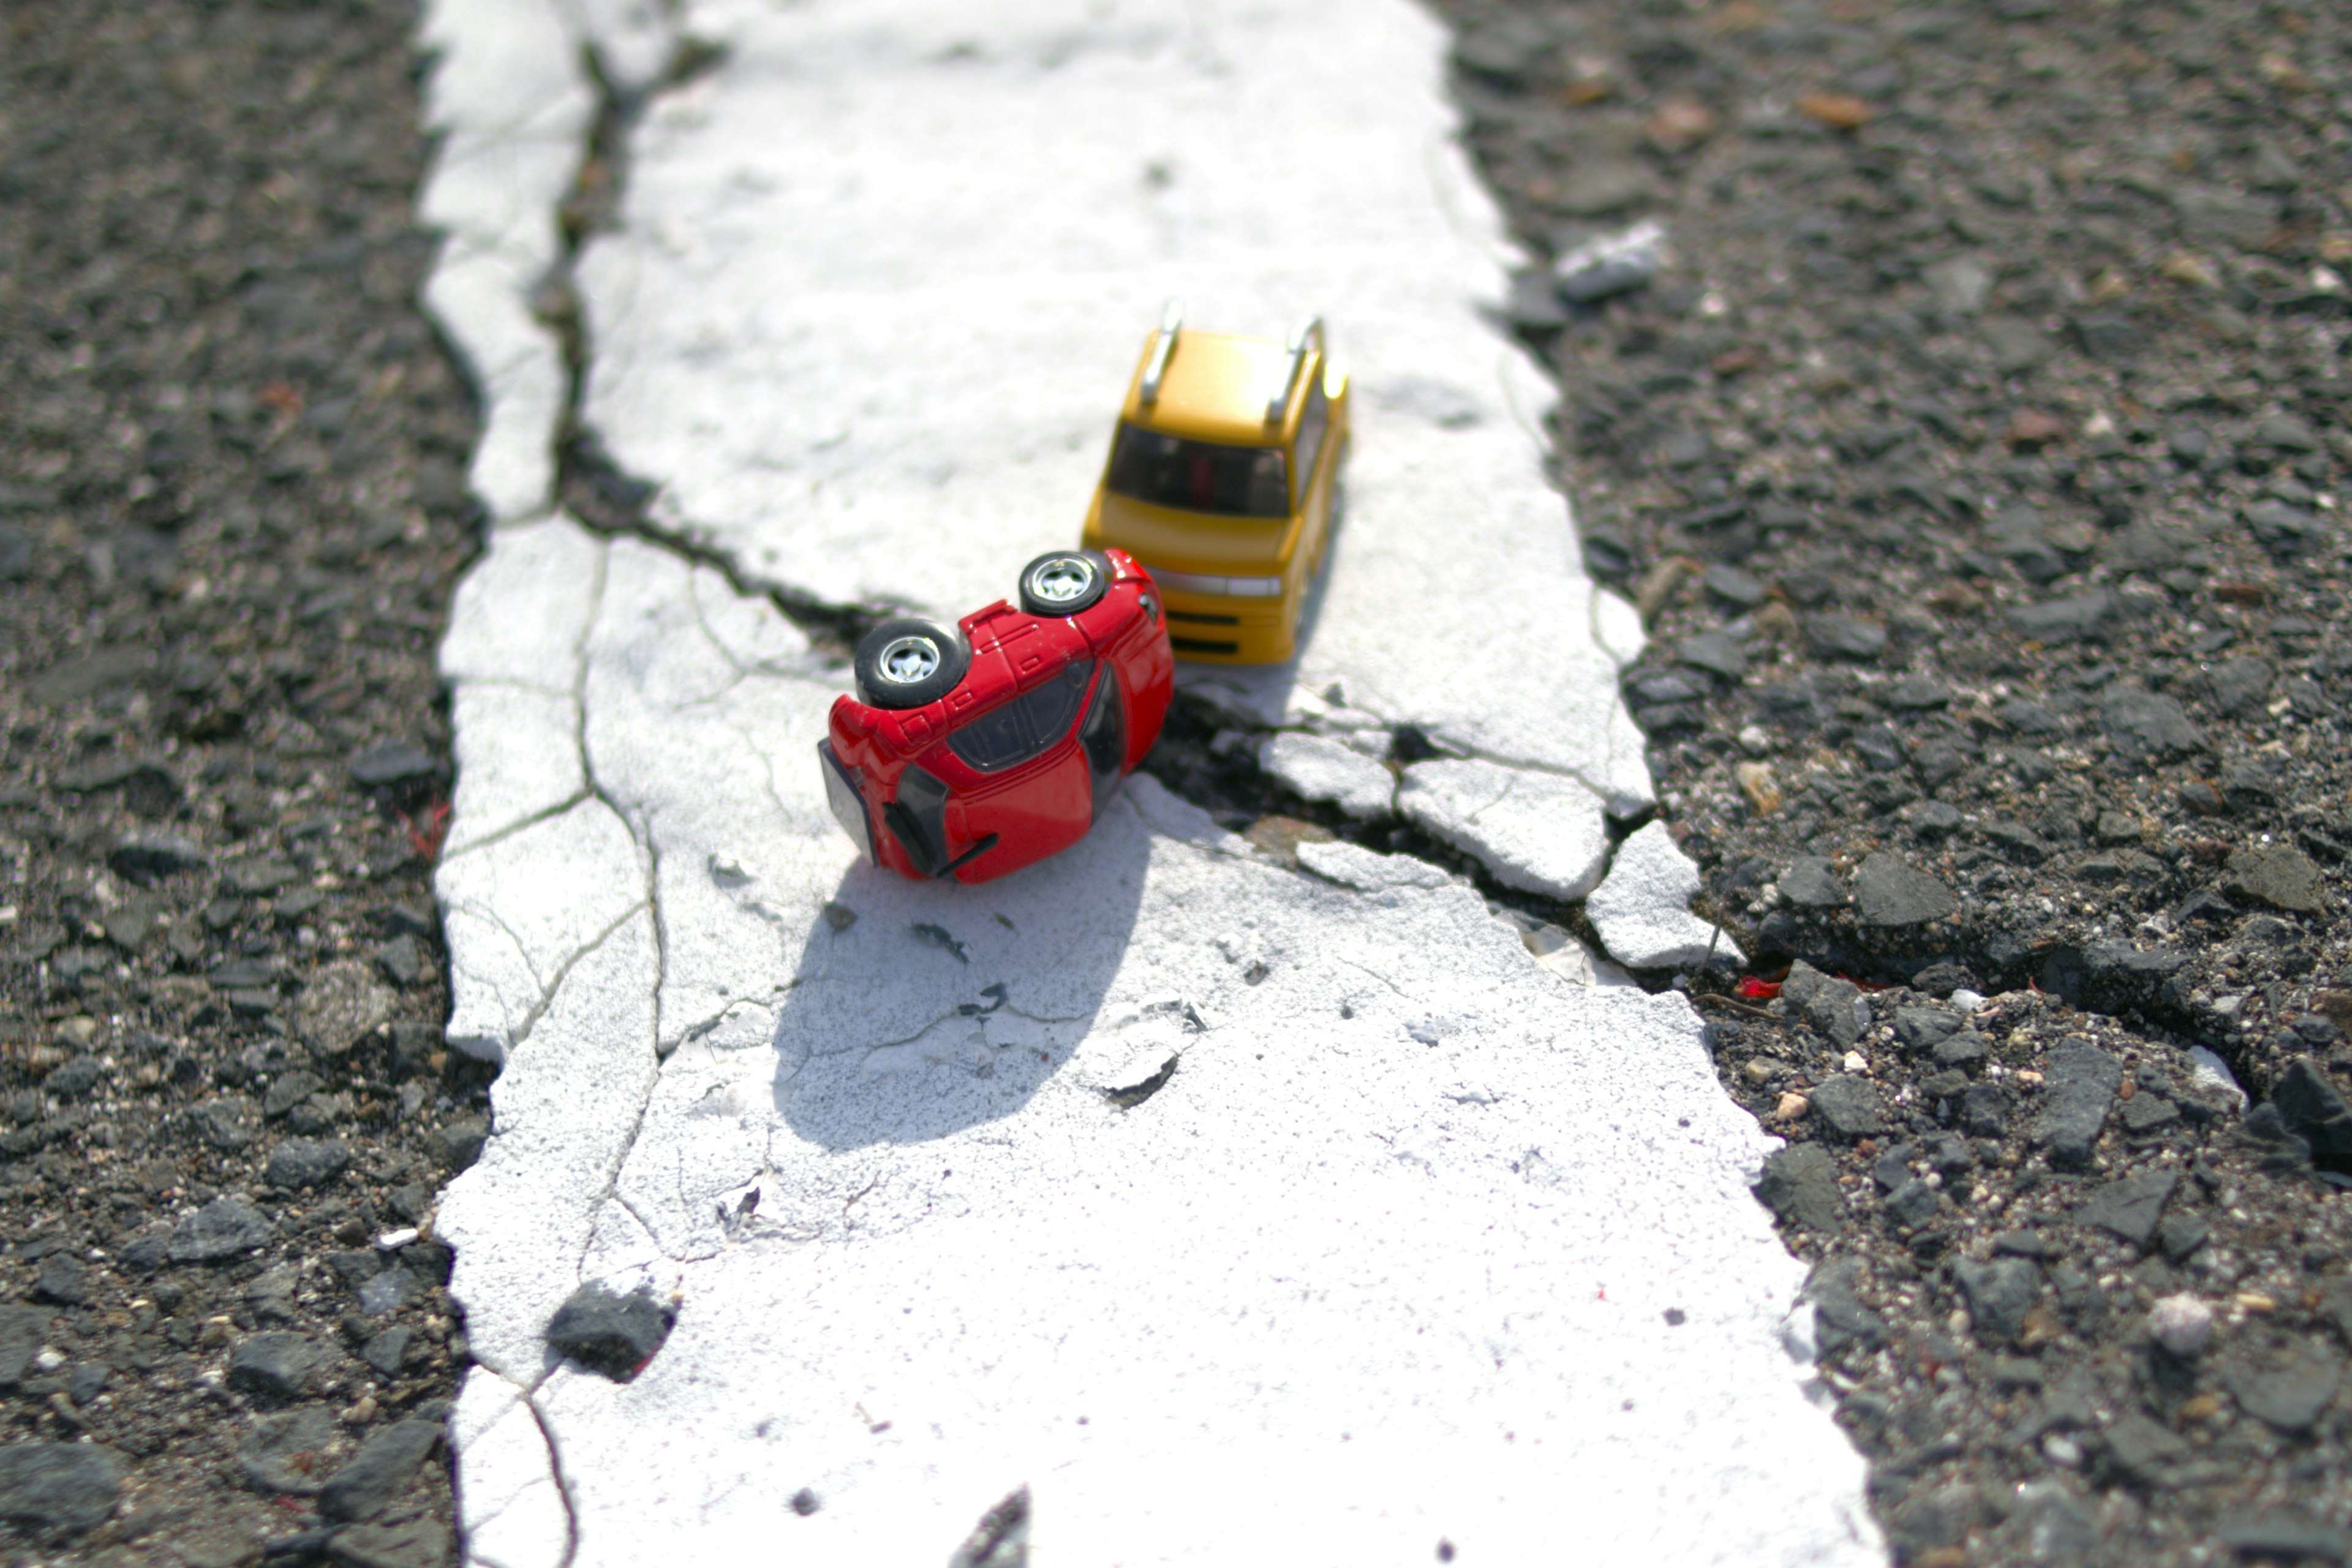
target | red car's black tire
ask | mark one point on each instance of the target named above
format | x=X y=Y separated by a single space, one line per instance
x=1065 y=582
x=907 y=661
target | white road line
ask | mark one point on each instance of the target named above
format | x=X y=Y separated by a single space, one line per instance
x=1418 y=1243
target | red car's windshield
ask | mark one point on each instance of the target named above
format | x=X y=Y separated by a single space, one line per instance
x=1198 y=476
x=1017 y=731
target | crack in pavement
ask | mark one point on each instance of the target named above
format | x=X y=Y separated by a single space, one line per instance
x=612 y=506
x=520 y=825
x=527 y=1395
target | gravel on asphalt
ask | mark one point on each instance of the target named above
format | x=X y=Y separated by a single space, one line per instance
x=231 y=507
x=1974 y=450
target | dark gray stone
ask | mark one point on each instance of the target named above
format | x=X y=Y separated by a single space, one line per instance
x=609 y=1332
x=2142 y=1450
x=289 y=1091
x=1717 y=653
x=273 y=1363
x=1740 y=590
x=1984 y=1110
x=142 y=857
x=2015 y=346
x=1934 y=1520
x=2028 y=718
x=64 y=1278
x=244 y=974
x=2284 y=530
x=63 y=1487
x=2312 y=1108
x=388 y=1291
x=2276 y=876
x=2241 y=685
x=1842 y=636
x=402 y=961
x=2129 y=1207
x=282 y=1453
x=1920 y=1028
x=394 y=763
x=1889 y=891
x=2285 y=1535
x=1800 y=1184
x=386 y=1350
x=409 y=1543
x=75 y=1078
x=1917 y=693
x=2215 y=215
x=1940 y=763
x=269 y=1295
x=380 y=1471
x=2078 y=1084
x=2146 y=1112
x=2286 y=432
x=1913 y=1204
x=459 y=1144
x=1850 y=1104
x=307 y=1161
x=1965 y=1049
x=2147 y=726
x=2071 y=619
x=1808 y=883
x=252 y=878
x=2288 y=1394
x=22 y=1331
x=2181 y=1235
x=1824 y=1001
x=87 y=1382
x=1999 y=1293
x=224 y=1227
x=2018 y=843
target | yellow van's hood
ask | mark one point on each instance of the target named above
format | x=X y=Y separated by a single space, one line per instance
x=1195 y=541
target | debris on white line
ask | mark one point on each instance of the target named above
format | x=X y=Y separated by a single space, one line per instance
x=1316 y=767
x=1642 y=910
x=1536 y=831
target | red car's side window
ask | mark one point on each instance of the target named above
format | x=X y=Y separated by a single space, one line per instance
x=1014 y=732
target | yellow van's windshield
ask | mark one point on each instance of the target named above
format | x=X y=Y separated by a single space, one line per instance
x=1199 y=476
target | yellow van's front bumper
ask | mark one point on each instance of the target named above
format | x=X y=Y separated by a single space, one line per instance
x=1227 y=629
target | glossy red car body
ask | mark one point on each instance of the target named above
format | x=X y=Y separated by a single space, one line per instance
x=1027 y=747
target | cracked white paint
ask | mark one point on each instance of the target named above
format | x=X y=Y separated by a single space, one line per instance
x=1386 y=1260
x=1641 y=909
x=1536 y=831
x=1316 y=767
x=880 y=283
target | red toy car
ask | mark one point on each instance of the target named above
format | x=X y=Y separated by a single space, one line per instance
x=979 y=747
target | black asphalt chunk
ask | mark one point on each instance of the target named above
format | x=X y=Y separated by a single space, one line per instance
x=608 y=1331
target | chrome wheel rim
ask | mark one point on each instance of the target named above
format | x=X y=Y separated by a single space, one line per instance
x=907 y=660
x=1061 y=581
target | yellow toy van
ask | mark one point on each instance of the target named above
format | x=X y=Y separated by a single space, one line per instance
x=1220 y=481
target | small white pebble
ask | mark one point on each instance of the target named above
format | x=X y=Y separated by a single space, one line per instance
x=2182 y=1324
x=50 y=1359
x=1856 y=1062
x=393 y=1240
x=2061 y=1450
x=1966 y=1000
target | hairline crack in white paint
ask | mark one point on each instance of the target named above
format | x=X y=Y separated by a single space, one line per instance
x=1387 y=1259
